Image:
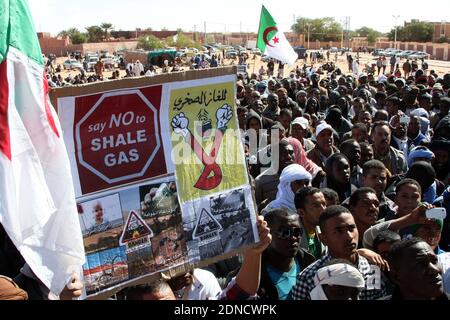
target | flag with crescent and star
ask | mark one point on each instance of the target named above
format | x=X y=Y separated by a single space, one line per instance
x=272 y=42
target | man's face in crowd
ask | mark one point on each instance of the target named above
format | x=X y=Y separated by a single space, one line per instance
x=297 y=132
x=258 y=106
x=365 y=117
x=314 y=206
x=255 y=96
x=325 y=140
x=299 y=184
x=285 y=120
x=436 y=101
x=358 y=106
x=358 y=135
x=441 y=159
x=248 y=92
x=301 y=98
x=283 y=98
x=366 y=154
x=272 y=100
x=425 y=103
x=375 y=179
x=353 y=153
x=182 y=281
x=285 y=236
x=381 y=115
x=341 y=171
x=381 y=136
x=430 y=232
x=444 y=107
x=336 y=292
x=159 y=295
x=341 y=236
x=407 y=199
x=383 y=249
x=391 y=107
x=381 y=101
x=413 y=127
x=242 y=115
x=342 y=103
x=366 y=209
x=400 y=131
x=271 y=86
x=254 y=124
x=419 y=273
x=312 y=106
x=286 y=156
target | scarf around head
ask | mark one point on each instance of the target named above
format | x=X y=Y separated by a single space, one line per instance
x=340 y=274
x=285 y=195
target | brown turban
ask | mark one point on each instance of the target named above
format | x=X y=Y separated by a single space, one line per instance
x=9 y=290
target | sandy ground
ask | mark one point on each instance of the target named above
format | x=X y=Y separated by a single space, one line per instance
x=441 y=67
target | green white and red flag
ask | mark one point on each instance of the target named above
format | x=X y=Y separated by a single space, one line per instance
x=272 y=42
x=37 y=200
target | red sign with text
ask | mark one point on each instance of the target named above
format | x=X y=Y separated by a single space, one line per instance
x=118 y=138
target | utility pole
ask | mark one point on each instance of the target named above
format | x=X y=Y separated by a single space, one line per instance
x=240 y=30
x=309 y=25
x=206 y=40
x=195 y=32
x=395 y=33
x=348 y=32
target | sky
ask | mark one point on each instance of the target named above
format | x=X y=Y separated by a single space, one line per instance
x=229 y=15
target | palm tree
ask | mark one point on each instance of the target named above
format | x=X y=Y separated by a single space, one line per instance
x=106 y=26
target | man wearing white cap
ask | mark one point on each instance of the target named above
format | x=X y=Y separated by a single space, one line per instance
x=324 y=148
x=338 y=280
x=299 y=128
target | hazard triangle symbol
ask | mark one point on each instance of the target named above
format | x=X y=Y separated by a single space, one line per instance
x=135 y=228
x=206 y=223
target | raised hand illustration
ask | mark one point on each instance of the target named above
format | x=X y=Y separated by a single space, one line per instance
x=180 y=125
x=224 y=115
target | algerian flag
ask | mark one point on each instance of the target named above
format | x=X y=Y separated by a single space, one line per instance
x=37 y=199
x=272 y=42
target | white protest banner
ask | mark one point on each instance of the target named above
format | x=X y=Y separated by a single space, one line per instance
x=159 y=174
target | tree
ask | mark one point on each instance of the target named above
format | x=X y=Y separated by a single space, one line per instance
x=322 y=29
x=418 y=31
x=78 y=38
x=74 y=35
x=150 y=43
x=370 y=33
x=68 y=32
x=95 y=33
x=106 y=26
x=182 y=41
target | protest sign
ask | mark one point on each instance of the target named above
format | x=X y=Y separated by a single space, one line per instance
x=159 y=174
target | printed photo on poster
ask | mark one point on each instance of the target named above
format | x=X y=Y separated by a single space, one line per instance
x=219 y=224
x=139 y=227
x=160 y=199
x=101 y=222
x=104 y=269
x=161 y=210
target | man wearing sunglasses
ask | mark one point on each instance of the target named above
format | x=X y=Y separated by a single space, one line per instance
x=283 y=259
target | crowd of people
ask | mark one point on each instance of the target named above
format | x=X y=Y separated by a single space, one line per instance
x=356 y=164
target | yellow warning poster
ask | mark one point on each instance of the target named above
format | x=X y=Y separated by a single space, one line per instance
x=207 y=150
